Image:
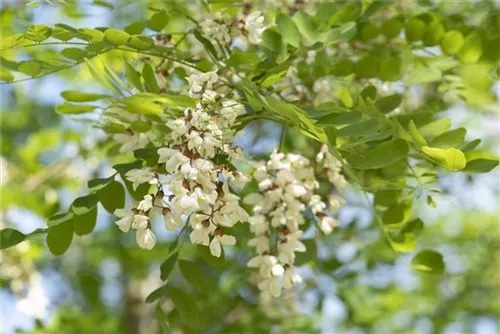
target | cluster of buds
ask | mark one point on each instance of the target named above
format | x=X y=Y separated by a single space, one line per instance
x=287 y=185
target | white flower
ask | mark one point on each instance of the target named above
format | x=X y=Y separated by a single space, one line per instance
x=271 y=285
x=140 y=176
x=218 y=240
x=178 y=127
x=335 y=203
x=200 y=235
x=140 y=222
x=127 y=216
x=290 y=278
x=327 y=224
x=173 y=221
x=186 y=203
x=215 y=30
x=255 y=26
x=145 y=238
x=146 y=204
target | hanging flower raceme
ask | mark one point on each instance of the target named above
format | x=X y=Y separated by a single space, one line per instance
x=192 y=188
x=287 y=185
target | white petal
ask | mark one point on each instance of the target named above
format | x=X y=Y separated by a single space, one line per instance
x=228 y=240
x=215 y=247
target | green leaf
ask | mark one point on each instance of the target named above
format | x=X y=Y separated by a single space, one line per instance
x=428 y=261
x=390 y=69
x=168 y=265
x=59 y=238
x=452 y=42
x=149 y=79
x=38 y=33
x=135 y=28
x=309 y=255
x=116 y=37
x=480 y=165
x=344 y=96
x=158 y=21
x=194 y=275
x=62 y=34
x=60 y=218
x=33 y=4
x=74 y=96
x=156 y=294
x=344 y=33
x=74 y=54
x=421 y=74
x=140 y=126
x=449 y=139
x=340 y=118
x=389 y=103
x=451 y=159
x=6 y=75
x=272 y=41
x=306 y=26
x=243 y=60
x=112 y=196
x=397 y=214
x=69 y=108
x=435 y=128
x=343 y=67
x=367 y=67
x=391 y=28
x=288 y=30
x=103 y=80
x=433 y=33
x=359 y=129
x=472 y=49
x=85 y=224
x=208 y=46
x=387 y=197
x=184 y=304
x=417 y=137
x=133 y=77
x=84 y=204
x=162 y=319
x=382 y=155
x=98 y=184
x=470 y=145
x=141 y=42
x=31 y=68
x=10 y=237
x=414 y=30
x=92 y=35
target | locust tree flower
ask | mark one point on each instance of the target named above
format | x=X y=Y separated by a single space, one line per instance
x=145 y=238
x=254 y=25
x=218 y=241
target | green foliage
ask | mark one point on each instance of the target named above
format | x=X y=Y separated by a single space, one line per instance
x=380 y=113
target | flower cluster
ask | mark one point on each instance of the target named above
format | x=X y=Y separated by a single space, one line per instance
x=216 y=29
x=254 y=25
x=192 y=187
x=287 y=185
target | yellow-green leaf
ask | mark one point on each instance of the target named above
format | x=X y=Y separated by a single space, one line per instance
x=451 y=159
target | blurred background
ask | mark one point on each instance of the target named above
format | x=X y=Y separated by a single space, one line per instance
x=357 y=285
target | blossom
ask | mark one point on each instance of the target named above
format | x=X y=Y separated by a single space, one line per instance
x=327 y=224
x=255 y=27
x=219 y=240
x=145 y=238
x=140 y=222
x=140 y=176
x=146 y=204
x=215 y=30
x=127 y=216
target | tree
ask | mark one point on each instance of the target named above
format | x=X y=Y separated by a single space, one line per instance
x=351 y=95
